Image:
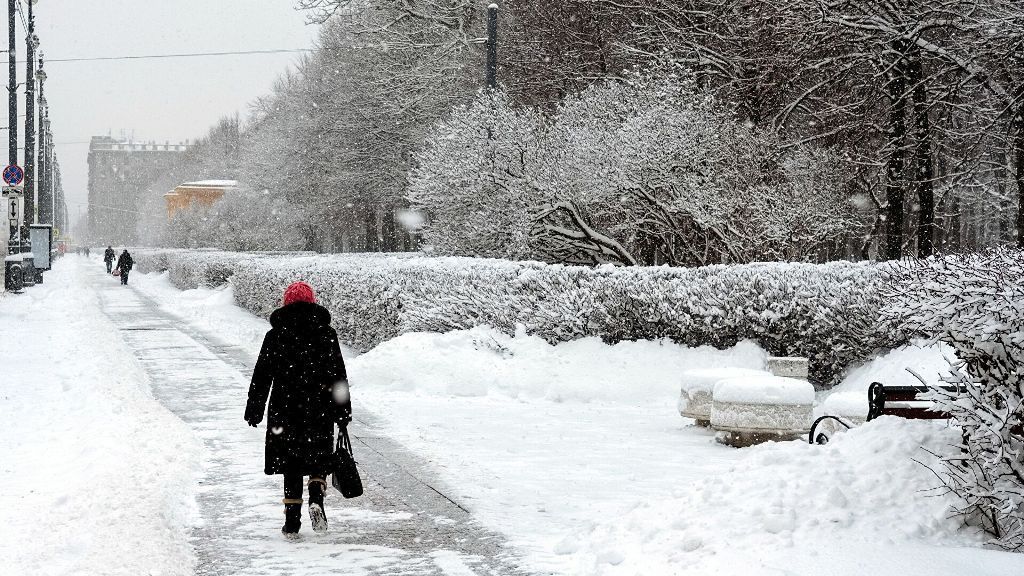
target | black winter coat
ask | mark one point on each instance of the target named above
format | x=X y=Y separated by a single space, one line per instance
x=125 y=262
x=299 y=365
x=108 y=255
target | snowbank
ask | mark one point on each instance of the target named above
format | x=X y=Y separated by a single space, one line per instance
x=894 y=368
x=484 y=361
x=96 y=474
x=897 y=368
x=785 y=505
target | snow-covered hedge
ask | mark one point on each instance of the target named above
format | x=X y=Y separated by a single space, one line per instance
x=362 y=294
x=975 y=304
x=190 y=269
x=826 y=312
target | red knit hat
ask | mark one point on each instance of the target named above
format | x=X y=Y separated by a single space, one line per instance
x=299 y=292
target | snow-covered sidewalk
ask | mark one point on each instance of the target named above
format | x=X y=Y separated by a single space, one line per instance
x=96 y=474
x=576 y=453
x=127 y=454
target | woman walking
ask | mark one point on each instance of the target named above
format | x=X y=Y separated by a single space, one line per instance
x=301 y=369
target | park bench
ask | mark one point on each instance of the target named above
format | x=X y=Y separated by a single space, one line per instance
x=885 y=400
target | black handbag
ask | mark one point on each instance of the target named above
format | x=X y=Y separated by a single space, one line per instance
x=344 y=474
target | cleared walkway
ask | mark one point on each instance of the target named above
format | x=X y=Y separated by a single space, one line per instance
x=404 y=524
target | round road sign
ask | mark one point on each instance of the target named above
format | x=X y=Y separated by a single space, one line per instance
x=13 y=175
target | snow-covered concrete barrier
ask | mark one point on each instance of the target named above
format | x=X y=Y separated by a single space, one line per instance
x=752 y=409
x=824 y=312
x=696 y=386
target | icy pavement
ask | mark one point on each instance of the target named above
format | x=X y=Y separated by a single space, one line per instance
x=404 y=524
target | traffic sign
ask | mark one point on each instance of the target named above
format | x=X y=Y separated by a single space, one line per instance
x=13 y=175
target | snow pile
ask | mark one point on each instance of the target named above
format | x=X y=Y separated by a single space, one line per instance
x=825 y=312
x=523 y=366
x=900 y=367
x=788 y=499
x=96 y=474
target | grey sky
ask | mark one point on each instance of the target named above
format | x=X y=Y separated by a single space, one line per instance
x=168 y=99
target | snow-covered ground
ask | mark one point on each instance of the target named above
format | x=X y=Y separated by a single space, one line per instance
x=577 y=453
x=96 y=475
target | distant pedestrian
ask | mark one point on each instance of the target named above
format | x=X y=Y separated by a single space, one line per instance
x=124 y=266
x=301 y=369
x=86 y=251
x=108 y=257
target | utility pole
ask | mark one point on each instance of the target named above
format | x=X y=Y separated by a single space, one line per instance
x=12 y=83
x=45 y=193
x=492 y=46
x=31 y=42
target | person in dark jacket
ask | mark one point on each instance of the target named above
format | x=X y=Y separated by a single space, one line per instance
x=124 y=264
x=301 y=369
x=108 y=257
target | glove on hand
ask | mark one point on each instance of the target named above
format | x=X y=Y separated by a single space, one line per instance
x=253 y=417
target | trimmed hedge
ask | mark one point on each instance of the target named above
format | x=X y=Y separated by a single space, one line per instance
x=826 y=312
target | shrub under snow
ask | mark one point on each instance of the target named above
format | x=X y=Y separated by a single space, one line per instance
x=975 y=304
x=826 y=312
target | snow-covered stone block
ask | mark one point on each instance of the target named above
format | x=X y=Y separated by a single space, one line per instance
x=696 y=387
x=788 y=366
x=757 y=408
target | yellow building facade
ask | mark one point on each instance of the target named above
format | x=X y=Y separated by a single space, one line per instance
x=205 y=193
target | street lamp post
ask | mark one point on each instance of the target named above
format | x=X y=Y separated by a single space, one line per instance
x=31 y=43
x=45 y=197
x=12 y=83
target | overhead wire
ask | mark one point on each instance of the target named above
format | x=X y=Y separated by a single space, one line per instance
x=179 y=55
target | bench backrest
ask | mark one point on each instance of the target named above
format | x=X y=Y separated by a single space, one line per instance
x=903 y=401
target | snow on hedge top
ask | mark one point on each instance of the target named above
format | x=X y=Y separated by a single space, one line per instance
x=704 y=380
x=764 y=389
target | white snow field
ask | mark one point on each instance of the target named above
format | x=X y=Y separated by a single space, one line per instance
x=96 y=476
x=576 y=452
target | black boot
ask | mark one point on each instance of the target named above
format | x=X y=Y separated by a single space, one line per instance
x=292 y=518
x=317 y=516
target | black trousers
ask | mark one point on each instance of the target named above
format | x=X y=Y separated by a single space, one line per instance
x=293 y=485
x=124 y=277
x=109 y=264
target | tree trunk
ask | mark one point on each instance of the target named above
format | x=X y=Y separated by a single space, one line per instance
x=1018 y=155
x=924 y=170
x=894 y=187
x=371 y=229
